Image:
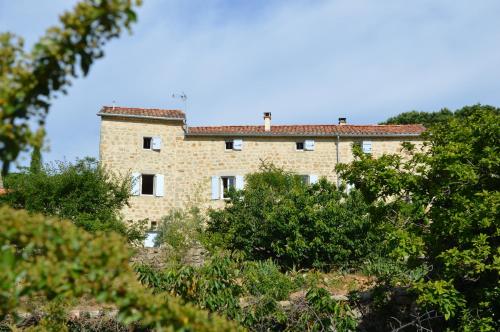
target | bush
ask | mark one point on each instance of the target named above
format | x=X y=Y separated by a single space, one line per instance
x=263 y=278
x=279 y=217
x=52 y=260
x=84 y=193
x=180 y=231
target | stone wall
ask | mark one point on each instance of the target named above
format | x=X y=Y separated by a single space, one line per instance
x=189 y=162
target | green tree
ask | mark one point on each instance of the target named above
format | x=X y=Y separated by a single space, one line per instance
x=444 y=201
x=29 y=80
x=279 y=217
x=83 y=192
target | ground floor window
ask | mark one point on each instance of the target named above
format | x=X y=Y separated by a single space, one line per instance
x=227 y=182
x=147 y=184
x=305 y=179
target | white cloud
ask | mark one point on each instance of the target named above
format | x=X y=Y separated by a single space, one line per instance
x=305 y=61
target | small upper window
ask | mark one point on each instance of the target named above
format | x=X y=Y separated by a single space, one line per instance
x=229 y=145
x=146 y=143
x=299 y=145
x=147 y=184
x=227 y=182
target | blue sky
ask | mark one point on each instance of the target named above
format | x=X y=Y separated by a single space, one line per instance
x=305 y=61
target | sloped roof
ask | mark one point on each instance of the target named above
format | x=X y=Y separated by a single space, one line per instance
x=153 y=113
x=310 y=130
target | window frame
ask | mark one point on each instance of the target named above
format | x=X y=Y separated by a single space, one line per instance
x=154 y=184
x=305 y=178
x=231 y=142
x=297 y=146
x=221 y=185
x=144 y=138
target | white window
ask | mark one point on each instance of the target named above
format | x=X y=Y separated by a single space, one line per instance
x=309 y=179
x=226 y=183
x=148 y=184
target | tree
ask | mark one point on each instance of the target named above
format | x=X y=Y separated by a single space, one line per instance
x=29 y=80
x=444 y=202
x=277 y=216
x=83 y=192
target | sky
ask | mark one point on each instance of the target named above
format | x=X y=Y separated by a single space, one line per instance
x=306 y=61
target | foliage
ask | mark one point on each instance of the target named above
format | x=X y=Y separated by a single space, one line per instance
x=52 y=260
x=265 y=278
x=429 y=119
x=83 y=192
x=279 y=217
x=213 y=286
x=180 y=231
x=244 y=292
x=442 y=204
x=28 y=80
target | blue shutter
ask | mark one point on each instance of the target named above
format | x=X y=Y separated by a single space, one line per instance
x=215 y=187
x=136 y=184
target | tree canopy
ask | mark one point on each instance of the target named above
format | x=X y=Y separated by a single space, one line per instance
x=30 y=79
x=443 y=201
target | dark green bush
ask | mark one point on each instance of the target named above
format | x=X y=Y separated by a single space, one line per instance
x=279 y=217
x=83 y=192
x=263 y=278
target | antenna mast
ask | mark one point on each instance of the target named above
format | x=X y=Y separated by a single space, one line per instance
x=182 y=96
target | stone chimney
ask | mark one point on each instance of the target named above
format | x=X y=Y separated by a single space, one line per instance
x=267 y=121
x=342 y=121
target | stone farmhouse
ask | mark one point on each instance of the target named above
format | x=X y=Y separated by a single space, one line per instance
x=174 y=165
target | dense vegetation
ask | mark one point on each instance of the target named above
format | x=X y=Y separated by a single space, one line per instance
x=278 y=216
x=83 y=192
x=49 y=262
x=442 y=202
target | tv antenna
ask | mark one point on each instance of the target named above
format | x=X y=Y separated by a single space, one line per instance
x=182 y=96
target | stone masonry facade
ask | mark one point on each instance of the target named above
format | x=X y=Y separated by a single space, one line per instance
x=190 y=163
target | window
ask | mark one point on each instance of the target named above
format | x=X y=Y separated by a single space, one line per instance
x=146 y=143
x=147 y=184
x=227 y=182
x=305 y=179
x=229 y=145
x=154 y=225
x=299 y=146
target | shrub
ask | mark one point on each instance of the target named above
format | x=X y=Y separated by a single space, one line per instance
x=263 y=278
x=52 y=260
x=279 y=217
x=83 y=192
x=180 y=231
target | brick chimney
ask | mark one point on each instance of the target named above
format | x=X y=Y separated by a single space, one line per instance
x=267 y=121
x=342 y=121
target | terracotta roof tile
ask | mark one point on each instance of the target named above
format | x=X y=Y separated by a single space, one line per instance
x=312 y=130
x=141 y=112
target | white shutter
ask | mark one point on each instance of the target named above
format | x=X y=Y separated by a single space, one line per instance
x=309 y=145
x=215 y=187
x=136 y=184
x=159 y=185
x=156 y=143
x=237 y=144
x=240 y=182
x=367 y=146
x=349 y=187
x=313 y=179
